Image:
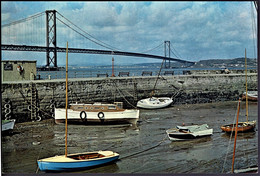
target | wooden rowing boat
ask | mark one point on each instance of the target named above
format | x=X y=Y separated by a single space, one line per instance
x=242 y=127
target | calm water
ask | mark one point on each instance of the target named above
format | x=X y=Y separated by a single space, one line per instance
x=80 y=72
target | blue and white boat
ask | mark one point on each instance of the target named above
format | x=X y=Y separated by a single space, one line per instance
x=77 y=161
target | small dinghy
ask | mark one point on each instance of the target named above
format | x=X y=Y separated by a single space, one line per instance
x=154 y=102
x=241 y=127
x=77 y=161
x=251 y=95
x=189 y=132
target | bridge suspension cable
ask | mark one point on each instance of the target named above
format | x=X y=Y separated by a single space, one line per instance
x=153 y=48
x=176 y=52
x=98 y=42
x=25 y=19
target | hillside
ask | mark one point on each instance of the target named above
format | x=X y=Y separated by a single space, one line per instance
x=228 y=63
x=210 y=63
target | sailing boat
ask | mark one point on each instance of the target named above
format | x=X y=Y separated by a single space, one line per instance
x=155 y=102
x=78 y=160
x=241 y=126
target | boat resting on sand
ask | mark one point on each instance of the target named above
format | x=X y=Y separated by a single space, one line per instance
x=189 y=132
x=97 y=113
x=77 y=161
x=8 y=124
x=154 y=102
x=251 y=95
x=242 y=127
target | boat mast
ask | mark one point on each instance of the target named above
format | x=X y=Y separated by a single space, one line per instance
x=246 y=89
x=66 y=122
x=234 y=151
x=152 y=93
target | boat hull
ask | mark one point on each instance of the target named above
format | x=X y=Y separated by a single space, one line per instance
x=8 y=124
x=154 y=103
x=62 y=163
x=119 y=117
x=177 y=136
x=251 y=96
x=242 y=127
x=189 y=132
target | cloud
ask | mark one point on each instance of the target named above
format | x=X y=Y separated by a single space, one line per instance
x=197 y=30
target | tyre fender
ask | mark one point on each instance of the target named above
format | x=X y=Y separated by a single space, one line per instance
x=83 y=116
x=101 y=116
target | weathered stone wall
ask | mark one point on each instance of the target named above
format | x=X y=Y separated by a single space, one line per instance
x=200 y=88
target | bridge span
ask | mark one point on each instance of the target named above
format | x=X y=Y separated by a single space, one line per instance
x=87 y=51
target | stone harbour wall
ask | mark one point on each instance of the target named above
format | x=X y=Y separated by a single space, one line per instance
x=18 y=97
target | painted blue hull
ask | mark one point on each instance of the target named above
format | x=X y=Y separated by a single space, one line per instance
x=79 y=165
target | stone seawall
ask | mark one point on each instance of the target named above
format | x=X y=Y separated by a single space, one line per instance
x=17 y=97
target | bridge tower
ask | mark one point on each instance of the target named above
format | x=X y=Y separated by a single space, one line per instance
x=51 y=55
x=167 y=53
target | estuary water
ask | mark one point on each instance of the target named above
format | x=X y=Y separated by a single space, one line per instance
x=143 y=148
x=93 y=71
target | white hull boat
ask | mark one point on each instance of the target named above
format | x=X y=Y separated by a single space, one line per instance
x=154 y=102
x=8 y=124
x=189 y=132
x=97 y=113
x=251 y=95
x=77 y=161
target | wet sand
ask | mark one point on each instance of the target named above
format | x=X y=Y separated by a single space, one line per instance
x=143 y=148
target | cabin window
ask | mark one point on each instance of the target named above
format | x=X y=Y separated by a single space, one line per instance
x=86 y=107
x=111 y=107
x=80 y=107
x=96 y=107
x=102 y=108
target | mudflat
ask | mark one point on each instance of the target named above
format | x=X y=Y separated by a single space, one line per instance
x=143 y=148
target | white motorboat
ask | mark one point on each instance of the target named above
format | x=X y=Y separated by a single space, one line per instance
x=189 y=132
x=251 y=95
x=154 y=102
x=98 y=113
x=8 y=124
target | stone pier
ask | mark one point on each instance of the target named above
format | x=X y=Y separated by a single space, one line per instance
x=195 y=88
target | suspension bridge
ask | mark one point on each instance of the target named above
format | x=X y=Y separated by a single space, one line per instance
x=45 y=24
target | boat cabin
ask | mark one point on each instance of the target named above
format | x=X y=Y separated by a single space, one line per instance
x=97 y=107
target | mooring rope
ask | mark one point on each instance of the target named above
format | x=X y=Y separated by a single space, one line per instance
x=229 y=143
x=145 y=149
x=124 y=96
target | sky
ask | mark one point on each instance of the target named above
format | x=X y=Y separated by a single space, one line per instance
x=197 y=30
